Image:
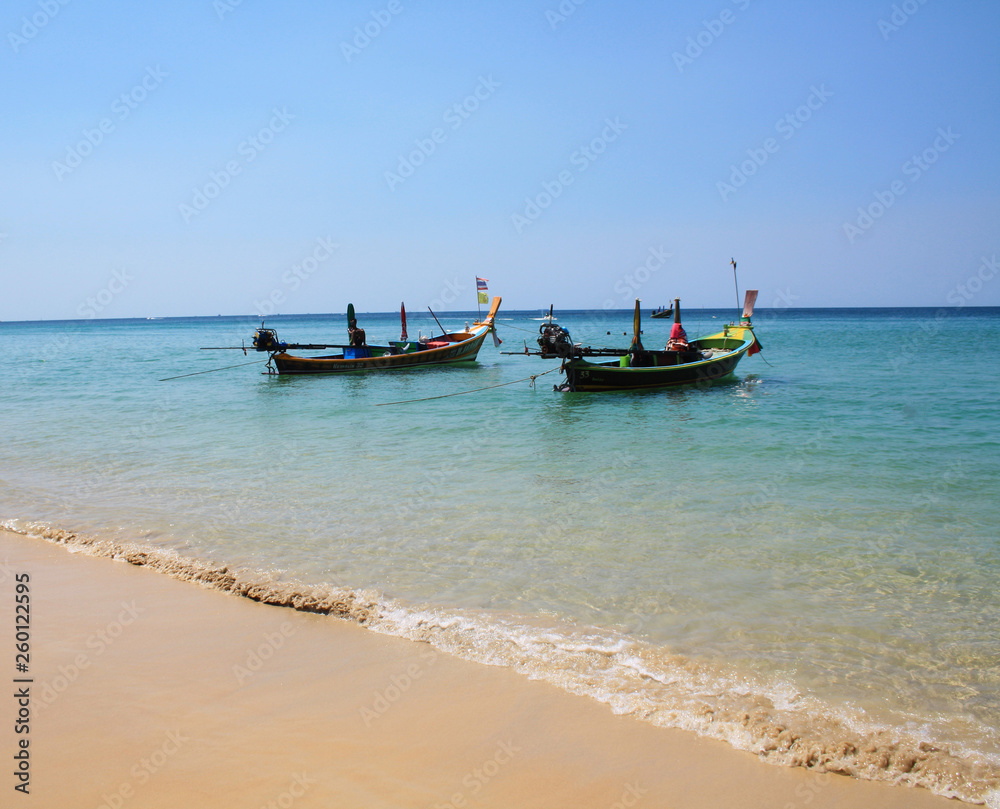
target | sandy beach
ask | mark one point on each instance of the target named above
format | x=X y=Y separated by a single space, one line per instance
x=152 y=692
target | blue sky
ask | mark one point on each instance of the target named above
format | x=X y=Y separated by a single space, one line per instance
x=219 y=157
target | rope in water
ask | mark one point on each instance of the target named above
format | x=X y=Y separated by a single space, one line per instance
x=531 y=378
x=518 y=328
x=212 y=371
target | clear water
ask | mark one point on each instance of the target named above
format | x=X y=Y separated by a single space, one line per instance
x=816 y=538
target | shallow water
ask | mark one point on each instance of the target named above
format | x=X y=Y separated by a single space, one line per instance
x=811 y=545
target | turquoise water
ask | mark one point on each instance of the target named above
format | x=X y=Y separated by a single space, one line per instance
x=810 y=547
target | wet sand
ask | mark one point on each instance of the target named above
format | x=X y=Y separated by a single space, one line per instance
x=152 y=692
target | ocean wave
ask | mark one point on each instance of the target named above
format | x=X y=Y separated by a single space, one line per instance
x=769 y=718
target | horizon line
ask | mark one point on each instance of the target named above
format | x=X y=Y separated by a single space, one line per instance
x=463 y=312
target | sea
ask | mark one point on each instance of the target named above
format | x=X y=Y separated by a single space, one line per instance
x=801 y=560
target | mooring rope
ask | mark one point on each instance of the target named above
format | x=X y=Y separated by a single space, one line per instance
x=211 y=371
x=518 y=328
x=531 y=378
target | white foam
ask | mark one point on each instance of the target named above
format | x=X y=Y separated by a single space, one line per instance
x=631 y=676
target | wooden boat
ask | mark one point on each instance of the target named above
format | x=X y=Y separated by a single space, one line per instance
x=710 y=359
x=661 y=312
x=701 y=362
x=448 y=348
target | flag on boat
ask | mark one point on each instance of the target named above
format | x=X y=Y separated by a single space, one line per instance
x=481 y=289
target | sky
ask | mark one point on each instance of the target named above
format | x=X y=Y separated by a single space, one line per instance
x=226 y=157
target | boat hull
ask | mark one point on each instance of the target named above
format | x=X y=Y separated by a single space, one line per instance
x=463 y=351
x=445 y=350
x=669 y=371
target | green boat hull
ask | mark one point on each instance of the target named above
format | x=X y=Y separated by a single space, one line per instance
x=664 y=369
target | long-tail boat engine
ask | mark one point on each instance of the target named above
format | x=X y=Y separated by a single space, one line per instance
x=554 y=341
x=267 y=340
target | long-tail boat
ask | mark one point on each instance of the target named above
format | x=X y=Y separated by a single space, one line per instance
x=698 y=362
x=703 y=361
x=662 y=311
x=446 y=348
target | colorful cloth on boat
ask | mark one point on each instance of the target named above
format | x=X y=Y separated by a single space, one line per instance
x=678 y=338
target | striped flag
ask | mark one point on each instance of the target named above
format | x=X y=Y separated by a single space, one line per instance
x=481 y=289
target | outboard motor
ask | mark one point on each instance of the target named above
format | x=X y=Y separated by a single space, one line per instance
x=266 y=340
x=554 y=341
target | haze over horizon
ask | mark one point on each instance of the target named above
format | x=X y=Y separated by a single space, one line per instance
x=248 y=158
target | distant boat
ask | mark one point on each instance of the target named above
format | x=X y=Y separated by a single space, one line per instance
x=661 y=312
x=447 y=348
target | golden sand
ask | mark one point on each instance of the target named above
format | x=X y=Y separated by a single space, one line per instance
x=152 y=692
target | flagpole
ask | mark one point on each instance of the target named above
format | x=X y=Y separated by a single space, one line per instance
x=737 y=283
x=479 y=306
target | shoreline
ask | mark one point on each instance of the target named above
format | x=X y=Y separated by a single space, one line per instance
x=161 y=694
